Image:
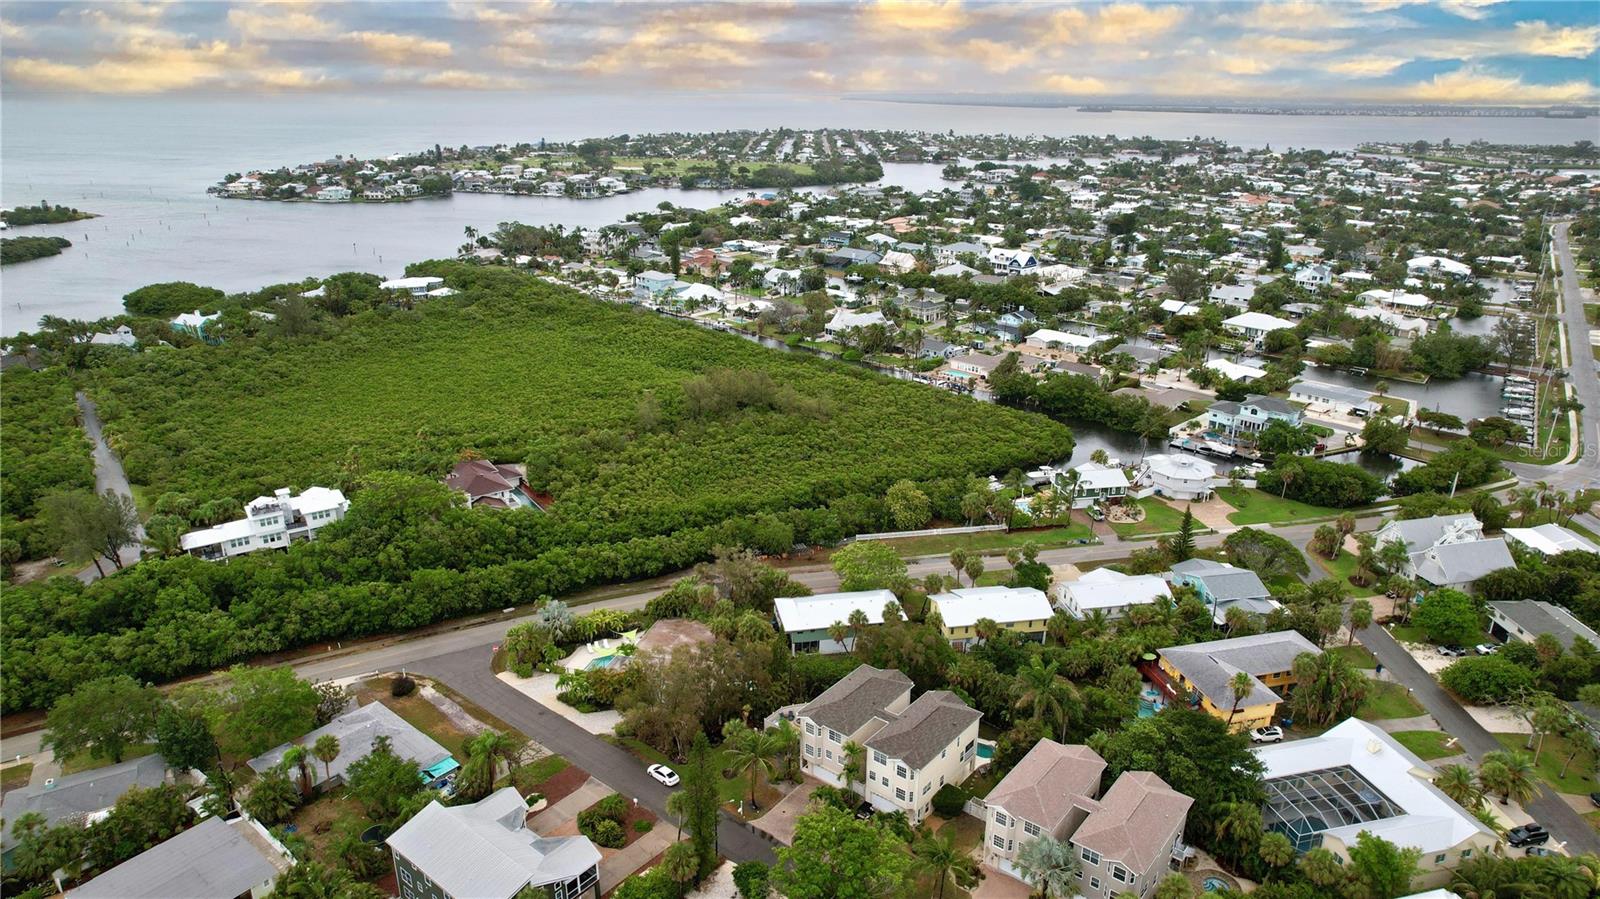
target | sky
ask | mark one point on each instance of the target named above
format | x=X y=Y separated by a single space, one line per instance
x=1400 y=51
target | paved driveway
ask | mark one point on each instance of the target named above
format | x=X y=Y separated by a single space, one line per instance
x=1548 y=808
x=779 y=820
x=468 y=673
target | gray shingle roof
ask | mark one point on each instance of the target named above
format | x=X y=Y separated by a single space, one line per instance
x=1210 y=666
x=211 y=860
x=76 y=795
x=1538 y=617
x=926 y=727
x=1044 y=786
x=1136 y=821
x=857 y=698
x=1461 y=563
x=1224 y=582
x=485 y=851
x=1271 y=404
x=1419 y=533
x=356 y=731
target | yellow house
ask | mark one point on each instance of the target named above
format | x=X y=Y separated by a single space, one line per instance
x=1208 y=670
x=1021 y=610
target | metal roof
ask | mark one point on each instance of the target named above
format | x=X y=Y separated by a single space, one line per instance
x=485 y=850
x=211 y=860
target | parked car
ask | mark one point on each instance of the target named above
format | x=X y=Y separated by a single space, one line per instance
x=1527 y=835
x=1536 y=851
x=1452 y=651
x=1487 y=649
x=1594 y=799
x=1271 y=734
x=865 y=811
x=664 y=775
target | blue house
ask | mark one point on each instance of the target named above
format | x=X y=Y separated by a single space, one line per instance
x=1250 y=416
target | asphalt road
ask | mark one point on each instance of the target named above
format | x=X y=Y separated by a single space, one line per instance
x=1563 y=822
x=1584 y=472
x=468 y=673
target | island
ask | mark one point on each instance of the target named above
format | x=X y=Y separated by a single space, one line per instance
x=24 y=249
x=42 y=214
x=598 y=167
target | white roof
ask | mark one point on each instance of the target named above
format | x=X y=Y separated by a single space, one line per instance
x=700 y=292
x=214 y=858
x=1258 y=321
x=1094 y=476
x=1397 y=297
x=193 y=319
x=1179 y=307
x=1437 y=263
x=1551 y=539
x=844 y=318
x=1181 y=467
x=415 y=283
x=1045 y=336
x=317 y=499
x=816 y=613
x=653 y=275
x=484 y=849
x=1104 y=588
x=228 y=530
x=1430 y=820
x=1235 y=370
x=963 y=607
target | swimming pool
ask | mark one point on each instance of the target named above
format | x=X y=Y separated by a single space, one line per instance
x=1214 y=884
x=985 y=751
x=610 y=661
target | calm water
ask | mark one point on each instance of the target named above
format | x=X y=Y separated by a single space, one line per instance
x=144 y=163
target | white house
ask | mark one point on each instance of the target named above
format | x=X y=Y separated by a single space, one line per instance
x=1447 y=550
x=1314 y=276
x=122 y=336
x=270 y=522
x=1255 y=325
x=1438 y=265
x=1551 y=540
x=1024 y=611
x=1236 y=371
x=1179 y=476
x=1048 y=339
x=1109 y=592
x=1011 y=262
x=844 y=319
x=805 y=620
x=416 y=286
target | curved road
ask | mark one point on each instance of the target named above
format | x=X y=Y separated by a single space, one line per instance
x=108 y=475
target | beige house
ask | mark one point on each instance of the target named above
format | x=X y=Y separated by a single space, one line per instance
x=1126 y=840
x=909 y=749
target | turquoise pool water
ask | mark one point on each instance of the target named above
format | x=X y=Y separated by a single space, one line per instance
x=610 y=661
x=985 y=751
x=1214 y=884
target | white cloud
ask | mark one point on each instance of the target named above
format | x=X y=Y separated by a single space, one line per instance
x=1540 y=38
x=398 y=48
x=282 y=22
x=935 y=16
x=1118 y=23
x=1469 y=9
x=461 y=79
x=1367 y=66
x=1075 y=84
x=1470 y=84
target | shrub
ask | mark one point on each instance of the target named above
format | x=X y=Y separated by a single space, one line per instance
x=949 y=801
x=605 y=832
x=402 y=686
x=614 y=807
x=1484 y=679
x=1463 y=465
x=1332 y=484
x=643 y=825
x=752 y=880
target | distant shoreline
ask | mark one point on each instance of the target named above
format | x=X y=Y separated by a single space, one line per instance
x=1416 y=112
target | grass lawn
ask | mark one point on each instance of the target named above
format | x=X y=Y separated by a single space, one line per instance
x=316 y=821
x=1580 y=775
x=82 y=762
x=1388 y=701
x=991 y=541
x=419 y=713
x=529 y=777
x=1408 y=633
x=1427 y=744
x=968 y=833
x=1259 y=507
x=15 y=776
x=1594 y=819
x=1159 y=518
x=1341 y=569
x=732 y=790
x=1357 y=655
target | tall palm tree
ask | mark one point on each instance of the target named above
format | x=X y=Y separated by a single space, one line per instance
x=1322 y=867
x=1458 y=782
x=1394 y=555
x=838 y=632
x=1069 y=480
x=858 y=626
x=300 y=760
x=326 y=749
x=752 y=753
x=786 y=739
x=1360 y=617
x=678 y=806
x=1043 y=694
x=1050 y=866
x=938 y=856
x=1240 y=686
x=1366 y=556
x=1548 y=717
x=1512 y=774
x=1275 y=849
x=1239 y=822
x=1526 y=501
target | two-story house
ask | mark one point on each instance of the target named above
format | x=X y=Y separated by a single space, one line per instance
x=1253 y=326
x=1095 y=483
x=1222 y=587
x=1202 y=675
x=1125 y=841
x=1250 y=416
x=1447 y=550
x=487 y=485
x=1109 y=592
x=1022 y=610
x=486 y=851
x=1010 y=263
x=908 y=749
x=270 y=522
x=653 y=285
x=807 y=620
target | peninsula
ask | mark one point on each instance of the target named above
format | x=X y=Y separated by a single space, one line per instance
x=42 y=214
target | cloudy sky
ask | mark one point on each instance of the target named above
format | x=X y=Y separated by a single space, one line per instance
x=1429 y=51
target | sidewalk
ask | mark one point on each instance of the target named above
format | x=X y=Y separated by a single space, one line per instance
x=620 y=864
x=541 y=688
x=568 y=808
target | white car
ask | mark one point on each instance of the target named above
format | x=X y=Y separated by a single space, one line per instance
x=1487 y=649
x=1272 y=734
x=666 y=776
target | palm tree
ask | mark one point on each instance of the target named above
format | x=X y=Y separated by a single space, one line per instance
x=678 y=806
x=1360 y=617
x=1512 y=774
x=751 y=753
x=786 y=739
x=1526 y=501
x=838 y=632
x=858 y=626
x=1394 y=555
x=1070 y=481
x=855 y=764
x=1239 y=822
x=985 y=629
x=1240 y=686
x=1050 y=866
x=958 y=561
x=1275 y=849
x=938 y=856
x=1043 y=694
x=1458 y=782
x=326 y=749
x=1366 y=557
x=1328 y=688
x=1548 y=717
x=299 y=759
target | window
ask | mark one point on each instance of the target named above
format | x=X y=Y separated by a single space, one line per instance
x=925 y=789
x=999 y=843
x=879 y=757
x=810 y=750
x=1439 y=859
x=1094 y=883
x=872 y=776
x=811 y=728
x=1466 y=854
x=833 y=735
x=1000 y=818
x=900 y=794
x=1120 y=874
x=1030 y=828
x=1090 y=856
x=900 y=771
